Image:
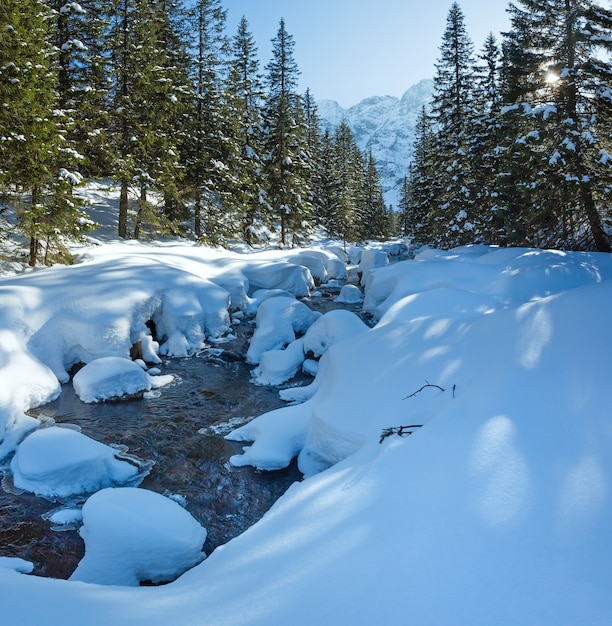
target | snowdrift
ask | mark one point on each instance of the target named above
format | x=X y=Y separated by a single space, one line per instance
x=494 y=507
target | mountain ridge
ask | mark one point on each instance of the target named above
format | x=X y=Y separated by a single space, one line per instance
x=385 y=125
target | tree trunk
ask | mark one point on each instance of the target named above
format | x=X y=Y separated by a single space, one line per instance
x=197 y=214
x=599 y=236
x=141 y=207
x=123 y=209
x=34 y=242
x=33 y=251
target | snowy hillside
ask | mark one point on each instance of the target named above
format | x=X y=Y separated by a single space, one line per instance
x=385 y=125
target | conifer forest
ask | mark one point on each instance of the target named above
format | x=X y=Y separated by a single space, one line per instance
x=206 y=141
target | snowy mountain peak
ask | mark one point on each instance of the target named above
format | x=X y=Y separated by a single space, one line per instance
x=385 y=125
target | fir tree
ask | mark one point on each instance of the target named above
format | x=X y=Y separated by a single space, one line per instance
x=452 y=222
x=34 y=158
x=418 y=199
x=213 y=154
x=287 y=168
x=484 y=148
x=555 y=79
x=376 y=223
x=245 y=88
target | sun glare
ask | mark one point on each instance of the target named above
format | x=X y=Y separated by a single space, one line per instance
x=551 y=77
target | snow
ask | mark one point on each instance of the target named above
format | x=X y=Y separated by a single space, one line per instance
x=61 y=462
x=114 y=377
x=278 y=320
x=385 y=126
x=279 y=365
x=350 y=294
x=330 y=329
x=496 y=509
x=16 y=564
x=133 y=535
x=370 y=260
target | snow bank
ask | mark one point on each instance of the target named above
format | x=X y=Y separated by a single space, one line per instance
x=61 y=462
x=16 y=564
x=133 y=535
x=497 y=508
x=106 y=304
x=279 y=365
x=25 y=383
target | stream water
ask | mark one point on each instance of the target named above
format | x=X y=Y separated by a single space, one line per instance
x=181 y=433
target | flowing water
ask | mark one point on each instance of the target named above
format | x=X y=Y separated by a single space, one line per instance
x=181 y=433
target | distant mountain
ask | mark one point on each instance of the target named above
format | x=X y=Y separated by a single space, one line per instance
x=385 y=125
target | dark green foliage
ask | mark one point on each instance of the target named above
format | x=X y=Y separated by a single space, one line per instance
x=555 y=91
x=246 y=95
x=376 y=220
x=285 y=140
x=155 y=96
x=517 y=151
x=453 y=220
x=36 y=159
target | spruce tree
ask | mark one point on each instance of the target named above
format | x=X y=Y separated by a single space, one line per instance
x=213 y=154
x=555 y=78
x=245 y=89
x=163 y=97
x=376 y=223
x=418 y=199
x=347 y=219
x=484 y=148
x=326 y=185
x=148 y=86
x=287 y=167
x=314 y=146
x=35 y=166
x=452 y=220
x=84 y=90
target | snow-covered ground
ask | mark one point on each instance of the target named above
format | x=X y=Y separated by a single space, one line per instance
x=492 y=505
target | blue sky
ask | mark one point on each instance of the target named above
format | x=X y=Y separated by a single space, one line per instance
x=349 y=50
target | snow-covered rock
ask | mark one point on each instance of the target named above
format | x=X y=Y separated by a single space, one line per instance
x=113 y=377
x=61 y=462
x=371 y=259
x=133 y=535
x=336 y=269
x=350 y=294
x=330 y=329
x=278 y=320
x=314 y=263
x=277 y=366
x=296 y=279
x=261 y=295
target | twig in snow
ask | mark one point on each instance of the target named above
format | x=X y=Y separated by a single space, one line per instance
x=427 y=384
x=398 y=430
